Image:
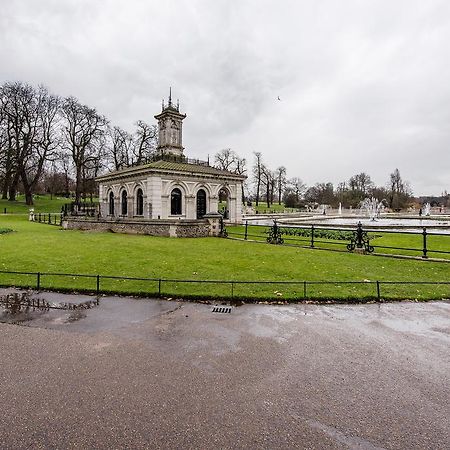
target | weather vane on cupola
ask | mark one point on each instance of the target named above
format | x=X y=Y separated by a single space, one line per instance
x=170 y=102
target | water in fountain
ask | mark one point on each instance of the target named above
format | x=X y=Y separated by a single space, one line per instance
x=340 y=209
x=372 y=207
x=426 y=209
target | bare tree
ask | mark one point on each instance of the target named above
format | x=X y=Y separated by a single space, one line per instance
x=6 y=166
x=229 y=160
x=322 y=193
x=399 y=192
x=43 y=148
x=144 y=142
x=280 y=175
x=297 y=187
x=31 y=116
x=361 y=182
x=120 y=147
x=257 y=174
x=84 y=130
x=269 y=181
x=13 y=125
x=225 y=159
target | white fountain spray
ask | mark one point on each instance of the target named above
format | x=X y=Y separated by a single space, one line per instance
x=372 y=207
x=426 y=209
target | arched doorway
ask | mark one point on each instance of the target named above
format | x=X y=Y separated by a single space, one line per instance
x=201 y=203
x=224 y=203
x=175 y=202
x=124 y=203
x=111 y=204
x=139 y=203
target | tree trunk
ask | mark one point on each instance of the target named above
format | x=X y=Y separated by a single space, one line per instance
x=78 y=186
x=257 y=190
x=29 y=198
x=27 y=189
x=13 y=188
x=5 y=188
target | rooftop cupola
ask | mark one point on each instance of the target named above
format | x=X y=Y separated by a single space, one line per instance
x=170 y=122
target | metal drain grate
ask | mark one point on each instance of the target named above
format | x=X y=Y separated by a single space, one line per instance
x=221 y=309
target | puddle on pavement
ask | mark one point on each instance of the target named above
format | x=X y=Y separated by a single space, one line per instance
x=21 y=307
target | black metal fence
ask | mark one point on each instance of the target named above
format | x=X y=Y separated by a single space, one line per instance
x=285 y=291
x=90 y=209
x=314 y=236
x=48 y=218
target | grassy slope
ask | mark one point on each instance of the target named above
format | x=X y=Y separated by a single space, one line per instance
x=37 y=247
x=42 y=203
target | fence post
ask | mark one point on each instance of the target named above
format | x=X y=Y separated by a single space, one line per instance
x=312 y=236
x=304 y=289
x=232 y=289
x=378 y=290
x=159 y=287
x=246 y=229
x=49 y=218
x=38 y=282
x=98 y=284
x=424 y=233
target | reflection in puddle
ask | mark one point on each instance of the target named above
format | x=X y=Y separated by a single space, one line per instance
x=21 y=307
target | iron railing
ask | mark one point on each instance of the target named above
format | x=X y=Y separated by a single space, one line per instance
x=298 y=290
x=48 y=218
x=89 y=209
x=310 y=236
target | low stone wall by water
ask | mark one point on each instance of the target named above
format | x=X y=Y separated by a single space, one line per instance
x=168 y=228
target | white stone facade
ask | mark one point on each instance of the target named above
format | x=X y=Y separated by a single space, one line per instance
x=157 y=186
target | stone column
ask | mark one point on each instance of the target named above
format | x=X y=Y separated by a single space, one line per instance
x=154 y=197
x=130 y=206
x=190 y=208
x=213 y=204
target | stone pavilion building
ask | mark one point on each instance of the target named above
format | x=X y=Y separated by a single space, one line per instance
x=170 y=186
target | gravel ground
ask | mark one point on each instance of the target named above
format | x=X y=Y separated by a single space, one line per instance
x=158 y=374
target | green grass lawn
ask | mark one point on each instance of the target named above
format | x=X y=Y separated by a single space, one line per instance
x=262 y=208
x=42 y=203
x=38 y=247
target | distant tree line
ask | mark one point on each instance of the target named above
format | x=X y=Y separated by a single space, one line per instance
x=60 y=145
x=267 y=186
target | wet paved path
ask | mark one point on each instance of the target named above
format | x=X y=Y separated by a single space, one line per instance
x=149 y=373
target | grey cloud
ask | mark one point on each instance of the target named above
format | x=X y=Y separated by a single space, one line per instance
x=364 y=85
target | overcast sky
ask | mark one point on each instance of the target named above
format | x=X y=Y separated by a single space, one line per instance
x=364 y=85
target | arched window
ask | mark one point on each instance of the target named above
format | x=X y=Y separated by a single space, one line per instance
x=201 y=203
x=111 y=203
x=224 y=203
x=175 y=202
x=124 y=203
x=139 y=203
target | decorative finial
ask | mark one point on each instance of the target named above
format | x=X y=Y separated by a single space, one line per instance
x=170 y=96
x=178 y=104
x=162 y=104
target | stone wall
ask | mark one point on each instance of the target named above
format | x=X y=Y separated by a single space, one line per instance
x=168 y=228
